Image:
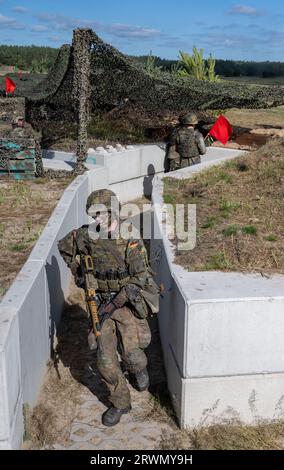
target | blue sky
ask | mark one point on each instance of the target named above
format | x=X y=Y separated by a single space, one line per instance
x=252 y=30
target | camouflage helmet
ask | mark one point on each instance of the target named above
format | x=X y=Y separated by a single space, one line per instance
x=188 y=119
x=103 y=197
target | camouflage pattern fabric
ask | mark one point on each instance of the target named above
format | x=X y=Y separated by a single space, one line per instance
x=134 y=336
x=185 y=146
x=127 y=329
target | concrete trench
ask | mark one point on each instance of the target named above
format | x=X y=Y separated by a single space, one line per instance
x=195 y=381
x=143 y=428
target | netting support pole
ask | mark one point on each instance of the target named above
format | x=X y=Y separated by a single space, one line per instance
x=82 y=41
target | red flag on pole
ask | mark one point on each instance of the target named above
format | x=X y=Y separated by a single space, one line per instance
x=10 y=85
x=222 y=130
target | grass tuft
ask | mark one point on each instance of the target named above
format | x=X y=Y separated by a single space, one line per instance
x=249 y=230
x=230 y=230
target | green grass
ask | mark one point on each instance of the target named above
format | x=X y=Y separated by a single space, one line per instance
x=209 y=223
x=18 y=247
x=271 y=238
x=227 y=207
x=230 y=230
x=2 y=230
x=223 y=176
x=249 y=230
x=169 y=199
x=217 y=261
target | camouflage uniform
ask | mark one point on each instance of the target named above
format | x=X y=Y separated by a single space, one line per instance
x=126 y=330
x=185 y=145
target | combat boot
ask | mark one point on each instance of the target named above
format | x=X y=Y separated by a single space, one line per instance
x=141 y=380
x=112 y=416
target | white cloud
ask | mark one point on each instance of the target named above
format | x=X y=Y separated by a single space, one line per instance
x=125 y=31
x=244 y=10
x=55 y=39
x=39 y=28
x=20 y=9
x=8 y=22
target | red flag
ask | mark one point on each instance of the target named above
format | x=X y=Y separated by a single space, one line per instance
x=10 y=85
x=222 y=130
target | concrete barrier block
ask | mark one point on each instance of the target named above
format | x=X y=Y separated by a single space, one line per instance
x=133 y=189
x=59 y=155
x=11 y=403
x=248 y=398
x=152 y=159
x=98 y=178
x=175 y=385
x=28 y=296
x=234 y=338
x=123 y=165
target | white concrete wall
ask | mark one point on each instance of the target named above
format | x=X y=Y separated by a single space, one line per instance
x=31 y=309
x=221 y=335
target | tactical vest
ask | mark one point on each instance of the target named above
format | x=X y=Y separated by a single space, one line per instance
x=186 y=143
x=114 y=260
x=110 y=268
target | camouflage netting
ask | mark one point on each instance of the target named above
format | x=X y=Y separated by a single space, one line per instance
x=10 y=108
x=52 y=98
x=93 y=77
x=117 y=80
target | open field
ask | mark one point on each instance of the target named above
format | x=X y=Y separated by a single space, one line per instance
x=240 y=205
x=253 y=118
x=256 y=80
x=25 y=208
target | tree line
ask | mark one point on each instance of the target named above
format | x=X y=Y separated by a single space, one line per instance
x=39 y=59
x=34 y=58
x=227 y=68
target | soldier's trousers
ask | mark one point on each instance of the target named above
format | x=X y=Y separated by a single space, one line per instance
x=130 y=335
x=177 y=164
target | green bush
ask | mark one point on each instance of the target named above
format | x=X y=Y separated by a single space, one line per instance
x=196 y=66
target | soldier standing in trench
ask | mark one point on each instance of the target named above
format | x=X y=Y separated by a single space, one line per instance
x=185 y=145
x=122 y=275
